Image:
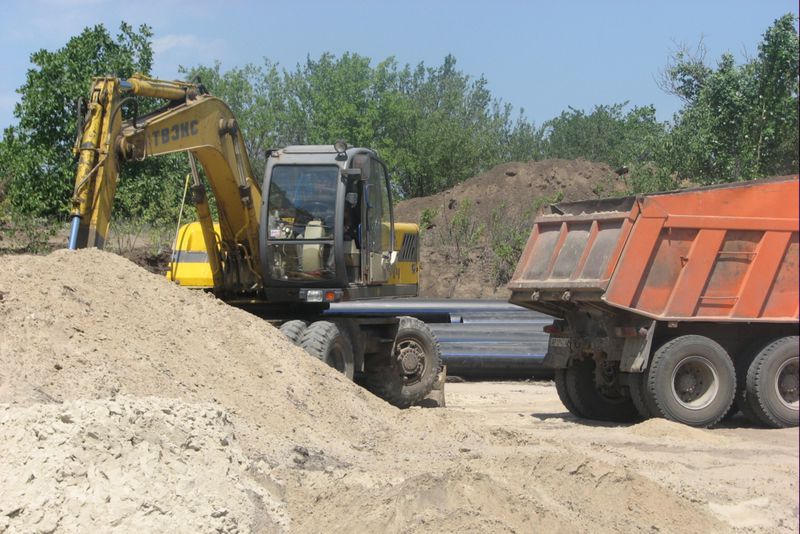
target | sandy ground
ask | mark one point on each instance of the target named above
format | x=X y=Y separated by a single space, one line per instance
x=130 y=404
x=745 y=476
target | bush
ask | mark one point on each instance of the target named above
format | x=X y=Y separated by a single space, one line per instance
x=26 y=233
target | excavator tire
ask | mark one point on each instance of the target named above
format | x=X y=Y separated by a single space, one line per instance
x=325 y=341
x=294 y=330
x=590 y=401
x=409 y=374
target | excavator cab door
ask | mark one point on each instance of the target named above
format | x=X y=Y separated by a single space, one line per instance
x=377 y=228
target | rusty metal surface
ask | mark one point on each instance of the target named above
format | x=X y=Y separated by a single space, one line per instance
x=721 y=253
x=576 y=246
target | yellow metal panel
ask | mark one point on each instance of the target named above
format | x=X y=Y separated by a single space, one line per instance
x=406 y=268
x=189 y=266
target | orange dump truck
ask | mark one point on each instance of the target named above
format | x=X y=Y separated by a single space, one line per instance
x=682 y=305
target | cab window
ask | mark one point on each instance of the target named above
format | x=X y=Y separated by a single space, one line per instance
x=379 y=210
x=302 y=202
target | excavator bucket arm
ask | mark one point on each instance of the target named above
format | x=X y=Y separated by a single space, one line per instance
x=193 y=122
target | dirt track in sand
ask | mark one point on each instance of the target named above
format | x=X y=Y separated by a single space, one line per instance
x=93 y=350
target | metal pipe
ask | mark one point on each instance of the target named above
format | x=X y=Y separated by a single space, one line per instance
x=73 y=233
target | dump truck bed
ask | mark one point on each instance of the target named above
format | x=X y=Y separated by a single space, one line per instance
x=723 y=253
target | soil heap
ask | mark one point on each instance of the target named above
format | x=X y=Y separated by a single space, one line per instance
x=499 y=204
x=128 y=403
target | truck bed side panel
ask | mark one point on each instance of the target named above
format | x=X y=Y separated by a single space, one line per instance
x=713 y=254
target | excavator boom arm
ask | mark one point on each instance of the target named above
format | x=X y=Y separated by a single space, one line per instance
x=193 y=122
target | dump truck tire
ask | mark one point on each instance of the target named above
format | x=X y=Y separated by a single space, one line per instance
x=637 y=387
x=325 y=341
x=691 y=380
x=294 y=330
x=560 y=379
x=743 y=360
x=590 y=401
x=770 y=394
x=409 y=374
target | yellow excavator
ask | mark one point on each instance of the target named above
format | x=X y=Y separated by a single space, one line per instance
x=318 y=229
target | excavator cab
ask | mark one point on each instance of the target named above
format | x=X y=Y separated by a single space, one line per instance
x=327 y=229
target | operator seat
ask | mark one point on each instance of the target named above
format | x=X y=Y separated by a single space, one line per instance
x=312 y=254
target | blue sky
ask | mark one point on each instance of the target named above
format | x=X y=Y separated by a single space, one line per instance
x=540 y=56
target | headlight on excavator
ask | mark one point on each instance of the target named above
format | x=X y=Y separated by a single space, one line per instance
x=314 y=295
x=321 y=295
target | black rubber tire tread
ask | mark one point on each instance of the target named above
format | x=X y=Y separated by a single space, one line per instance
x=294 y=330
x=658 y=394
x=560 y=379
x=759 y=399
x=742 y=364
x=732 y=411
x=322 y=339
x=582 y=389
x=387 y=382
x=636 y=385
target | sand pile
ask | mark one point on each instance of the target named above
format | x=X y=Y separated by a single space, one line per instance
x=90 y=324
x=513 y=193
x=132 y=464
x=133 y=403
x=670 y=432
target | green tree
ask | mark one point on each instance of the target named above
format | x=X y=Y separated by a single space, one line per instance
x=634 y=139
x=607 y=134
x=776 y=111
x=739 y=121
x=333 y=98
x=257 y=97
x=434 y=126
x=36 y=158
x=447 y=128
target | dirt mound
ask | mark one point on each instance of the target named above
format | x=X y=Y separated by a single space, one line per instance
x=460 y=259
x=664 y=430
x=144 y=464
x=248 y=431
x=549 y=491
x=90 y=324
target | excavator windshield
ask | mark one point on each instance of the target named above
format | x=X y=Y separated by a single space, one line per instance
x=300 y=226
x=302 y=201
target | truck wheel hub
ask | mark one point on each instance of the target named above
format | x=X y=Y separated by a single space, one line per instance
x=686 y=383
x=787 y=383
x=411 y=356
x=695 y=383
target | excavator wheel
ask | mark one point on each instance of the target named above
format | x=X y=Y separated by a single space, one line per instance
x=325 y=341
x=293 y=330
x=410 y=372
